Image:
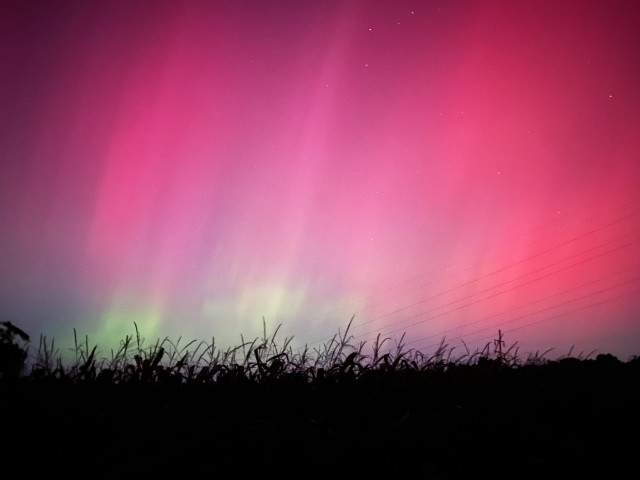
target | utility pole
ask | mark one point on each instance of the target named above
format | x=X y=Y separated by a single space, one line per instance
x=498 y=344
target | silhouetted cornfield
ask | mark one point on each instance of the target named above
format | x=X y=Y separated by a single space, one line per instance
x=337 y=411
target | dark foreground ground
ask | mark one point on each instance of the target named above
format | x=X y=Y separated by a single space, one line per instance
x=567 y=419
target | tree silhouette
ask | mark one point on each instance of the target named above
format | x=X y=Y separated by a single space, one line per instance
x=12 y=355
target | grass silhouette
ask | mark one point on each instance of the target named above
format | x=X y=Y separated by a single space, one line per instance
x=260 y=359
x=168 y=409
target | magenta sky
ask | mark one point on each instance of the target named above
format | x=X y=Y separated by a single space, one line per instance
x=435 y=167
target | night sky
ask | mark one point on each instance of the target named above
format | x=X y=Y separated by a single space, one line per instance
x=440 y=168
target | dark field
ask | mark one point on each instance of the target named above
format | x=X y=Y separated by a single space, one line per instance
x=167 y=411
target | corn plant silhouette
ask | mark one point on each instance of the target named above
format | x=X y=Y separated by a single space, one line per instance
x=12 y=354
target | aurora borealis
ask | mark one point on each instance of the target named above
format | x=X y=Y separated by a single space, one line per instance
x=435 y=167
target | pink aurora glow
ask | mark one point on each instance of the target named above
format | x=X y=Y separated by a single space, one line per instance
x=439 y=168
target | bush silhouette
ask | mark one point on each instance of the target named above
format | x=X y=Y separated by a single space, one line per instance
x=12 y=355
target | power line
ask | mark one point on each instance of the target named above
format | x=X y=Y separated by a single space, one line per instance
x=539 y=227
x=575 y=299
x=630 y=203
x=501 y=269
x=499 y=285
x=519 y=307
x=495 y=272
